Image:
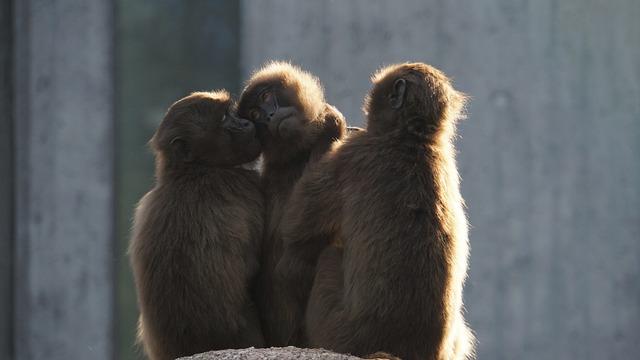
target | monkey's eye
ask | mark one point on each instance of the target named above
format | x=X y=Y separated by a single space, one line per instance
x=266 y=96
x=255 y=115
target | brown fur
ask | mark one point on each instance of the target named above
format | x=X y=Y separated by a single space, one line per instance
x=197 y=233
x=391 y=193
x=300 y=132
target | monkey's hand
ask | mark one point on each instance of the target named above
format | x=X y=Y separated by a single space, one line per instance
x=334 y=129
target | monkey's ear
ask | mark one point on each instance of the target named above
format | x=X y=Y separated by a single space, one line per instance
x=180 y=149
x=396 y=98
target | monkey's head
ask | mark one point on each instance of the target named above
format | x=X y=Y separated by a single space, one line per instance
x=286 y=104
x=414 y=99
x=203 y=129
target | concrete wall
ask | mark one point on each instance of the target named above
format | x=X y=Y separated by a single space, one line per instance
x=549 y=154
x=64 y=290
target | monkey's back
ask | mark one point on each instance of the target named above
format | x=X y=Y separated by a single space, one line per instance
x=194 y=252
x=405 y=242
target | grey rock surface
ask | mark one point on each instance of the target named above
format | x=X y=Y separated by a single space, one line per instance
x=271 y=353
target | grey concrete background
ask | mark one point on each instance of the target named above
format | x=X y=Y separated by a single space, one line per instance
x=549 y=155
x=64 y=288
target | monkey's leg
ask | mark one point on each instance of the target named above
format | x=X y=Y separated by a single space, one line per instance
x=324 y=309
x=251 y=333
x=464 y=346
x=276 y=309
x=327 y=324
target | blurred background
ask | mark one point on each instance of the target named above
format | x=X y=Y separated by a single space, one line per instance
x=549 y=155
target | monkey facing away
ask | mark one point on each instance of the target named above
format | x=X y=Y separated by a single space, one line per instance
x=391 y=194
x=296 y=127
x=197 y=233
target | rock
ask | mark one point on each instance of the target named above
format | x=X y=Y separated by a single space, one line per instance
x=270 y=354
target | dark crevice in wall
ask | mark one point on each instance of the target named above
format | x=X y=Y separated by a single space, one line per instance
x=164 y=50
x=6 y=180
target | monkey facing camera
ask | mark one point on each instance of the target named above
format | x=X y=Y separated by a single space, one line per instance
x=296 y=128
x=196 y=235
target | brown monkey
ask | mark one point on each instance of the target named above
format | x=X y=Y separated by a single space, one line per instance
x=296 y=127
x=391 y=194
x=197 y=233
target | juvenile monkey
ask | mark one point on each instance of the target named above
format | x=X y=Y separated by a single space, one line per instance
x=391 y=194
x=197 y=233
x=296 y=127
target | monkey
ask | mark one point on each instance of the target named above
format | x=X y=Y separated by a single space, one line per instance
x=296 y=126
x=196 y=235
x=391 y=194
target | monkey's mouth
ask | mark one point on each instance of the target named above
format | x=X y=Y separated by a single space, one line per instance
x=281 y=127
x=277 y=125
